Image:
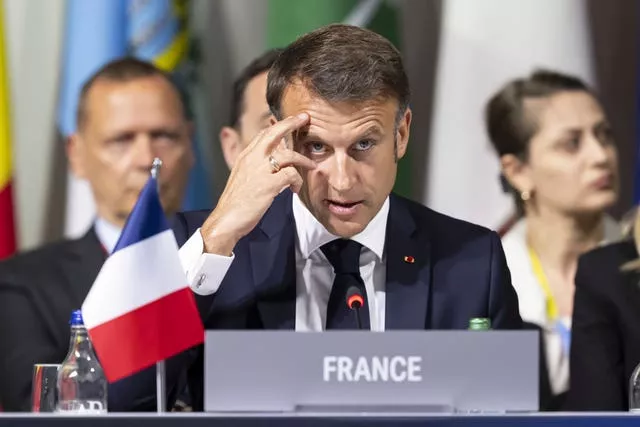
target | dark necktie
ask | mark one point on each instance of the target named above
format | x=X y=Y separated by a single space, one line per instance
x=344 y=256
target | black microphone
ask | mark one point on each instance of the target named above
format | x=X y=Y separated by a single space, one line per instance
x=355 y=301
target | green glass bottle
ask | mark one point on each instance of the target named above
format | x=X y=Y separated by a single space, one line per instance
x=479 y=324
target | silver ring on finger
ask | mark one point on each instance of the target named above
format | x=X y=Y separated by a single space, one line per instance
x=275 y=166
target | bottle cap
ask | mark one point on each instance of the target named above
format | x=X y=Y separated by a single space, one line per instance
x=480 y=324
x=76 y=318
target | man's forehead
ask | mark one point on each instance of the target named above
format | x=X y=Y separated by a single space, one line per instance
x=105 y=85
x=255 y=94
x=299 y=93
x=106 y=93
x=120 y=106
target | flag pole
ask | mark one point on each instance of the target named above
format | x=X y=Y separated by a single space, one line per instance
x=160 y=368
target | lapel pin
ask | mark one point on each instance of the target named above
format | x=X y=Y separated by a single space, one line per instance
x=409 y=259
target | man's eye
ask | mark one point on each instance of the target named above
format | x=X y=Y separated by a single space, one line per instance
x=123 y=139
x=316 y=147
x=363 y=145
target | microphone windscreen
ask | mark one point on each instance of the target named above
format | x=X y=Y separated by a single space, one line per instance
x=354 y=296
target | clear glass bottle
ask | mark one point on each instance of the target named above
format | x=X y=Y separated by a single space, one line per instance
x=82 y=385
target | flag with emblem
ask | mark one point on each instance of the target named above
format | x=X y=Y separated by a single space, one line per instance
x=483 y=45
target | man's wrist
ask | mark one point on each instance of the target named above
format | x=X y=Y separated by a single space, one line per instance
x=216 y=240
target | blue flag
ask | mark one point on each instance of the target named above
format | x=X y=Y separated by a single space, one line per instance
x=96 y=33
x=158 y=32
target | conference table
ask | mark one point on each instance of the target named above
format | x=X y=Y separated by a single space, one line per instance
x=321 y=420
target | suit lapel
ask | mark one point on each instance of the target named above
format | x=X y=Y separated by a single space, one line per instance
x=87 y=257
x=272 y=252
x=408 y=283
x=80 y=267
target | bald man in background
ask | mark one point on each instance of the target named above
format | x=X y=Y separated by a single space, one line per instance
x=129 y=112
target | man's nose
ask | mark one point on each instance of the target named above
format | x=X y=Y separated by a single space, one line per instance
x=144 y=153
x=341 y=174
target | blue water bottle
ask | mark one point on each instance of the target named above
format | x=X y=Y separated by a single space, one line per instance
x=82 y=386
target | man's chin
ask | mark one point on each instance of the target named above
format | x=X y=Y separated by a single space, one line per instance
x=343 y=229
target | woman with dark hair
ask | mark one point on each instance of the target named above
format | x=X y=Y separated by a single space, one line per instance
x=559 y=160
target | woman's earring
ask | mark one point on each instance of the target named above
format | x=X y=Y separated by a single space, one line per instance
x=525 y=196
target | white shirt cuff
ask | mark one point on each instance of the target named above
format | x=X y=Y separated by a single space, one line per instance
x=204 y=271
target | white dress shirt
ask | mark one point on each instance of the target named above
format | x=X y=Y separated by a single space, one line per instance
x=108 y=234
x=314 y=273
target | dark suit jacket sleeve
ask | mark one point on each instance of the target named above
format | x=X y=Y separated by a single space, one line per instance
x=596 y=364
x=180 y=228
x=22 y=343
x=503 y=300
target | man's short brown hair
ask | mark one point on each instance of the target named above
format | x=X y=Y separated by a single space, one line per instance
x=340 y=63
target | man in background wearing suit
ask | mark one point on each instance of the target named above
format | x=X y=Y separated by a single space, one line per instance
x=249 y=109
x=308 y=212
x=250 y=114
x=128 y=113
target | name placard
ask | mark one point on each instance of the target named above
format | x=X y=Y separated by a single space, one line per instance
x=427 y=371
x=372 y=369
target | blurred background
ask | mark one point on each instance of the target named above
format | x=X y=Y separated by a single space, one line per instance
x=457 y=52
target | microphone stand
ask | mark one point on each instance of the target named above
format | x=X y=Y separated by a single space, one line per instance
x=356 y=307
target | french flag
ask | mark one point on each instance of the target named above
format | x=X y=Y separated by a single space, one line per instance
x=140 y=309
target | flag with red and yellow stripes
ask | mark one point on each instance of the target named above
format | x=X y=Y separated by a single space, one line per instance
x=7 y=223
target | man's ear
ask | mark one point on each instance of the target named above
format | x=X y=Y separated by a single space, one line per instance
x=402 y=134
x=75 y=148
x=231 y=145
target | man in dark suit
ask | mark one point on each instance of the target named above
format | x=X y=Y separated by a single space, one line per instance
x=250 y=112
x=307 y=214
x=128 y=113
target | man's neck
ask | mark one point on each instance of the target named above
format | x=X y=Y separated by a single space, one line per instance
x=311 y=234
x=108 y=233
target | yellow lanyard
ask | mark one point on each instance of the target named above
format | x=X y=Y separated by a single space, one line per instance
x=552 y=307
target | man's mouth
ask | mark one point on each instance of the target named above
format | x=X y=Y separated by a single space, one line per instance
x=343 y=208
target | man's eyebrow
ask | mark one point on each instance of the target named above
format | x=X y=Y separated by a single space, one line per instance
x=371 y=131
x=302 y=135
x=305 y=135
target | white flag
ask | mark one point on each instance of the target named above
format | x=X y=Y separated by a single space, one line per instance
x=484 y=44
